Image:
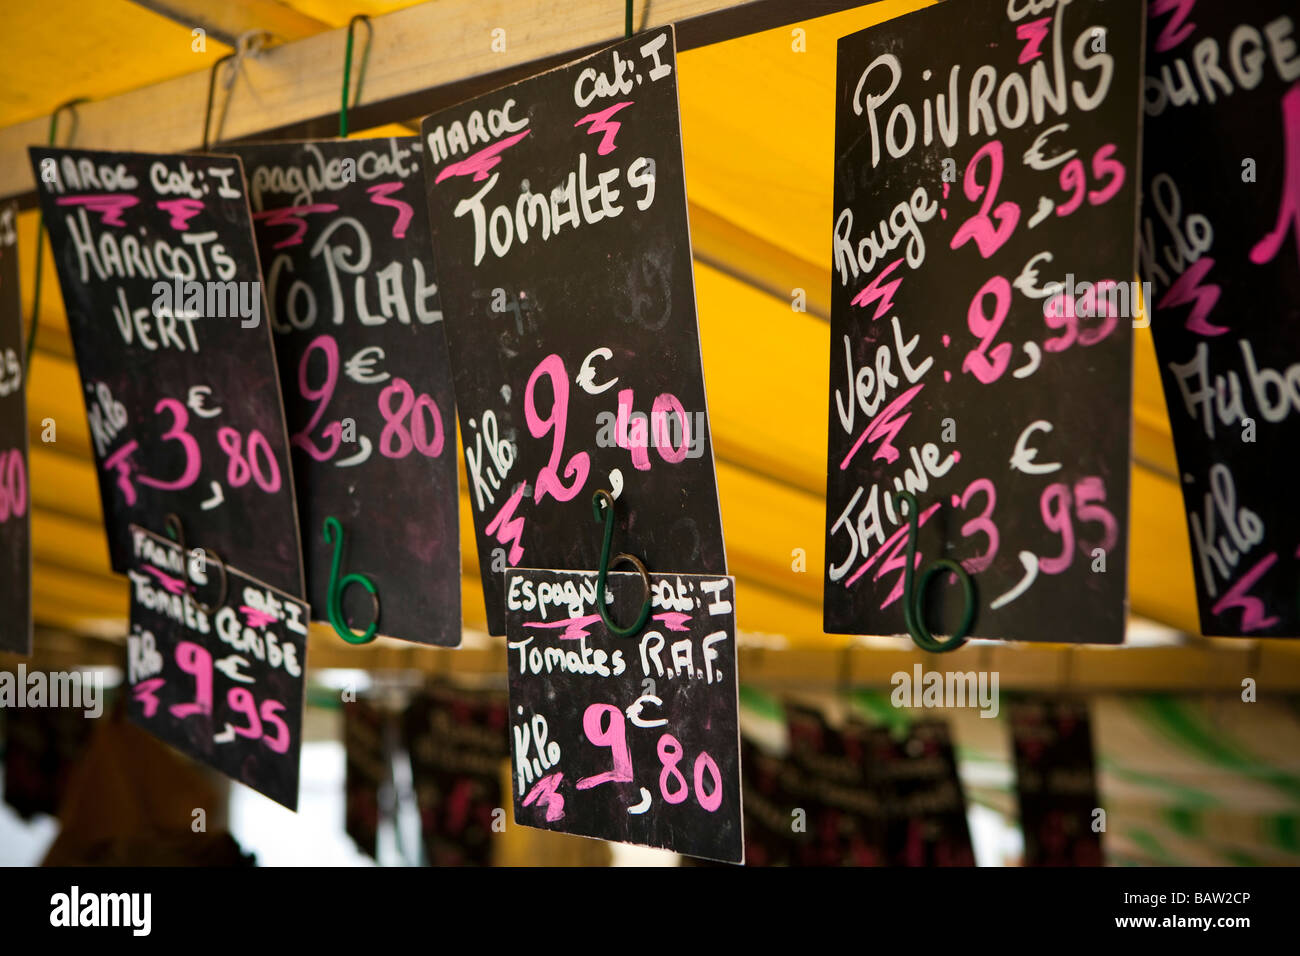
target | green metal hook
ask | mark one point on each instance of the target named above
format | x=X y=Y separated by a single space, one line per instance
x=603 y=501
x=914 y=594
x=347 y=70
x=333 y=532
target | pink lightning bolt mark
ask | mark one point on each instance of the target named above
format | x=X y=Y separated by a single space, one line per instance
x=601 y=122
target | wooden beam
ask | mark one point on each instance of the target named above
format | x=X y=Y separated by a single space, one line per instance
x=422 y=58
x=226 y=21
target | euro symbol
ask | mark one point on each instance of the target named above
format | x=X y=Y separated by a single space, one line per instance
x=197 y=401
x=1023 y=459
x=634 y=711
x=360 y=368
x=587 y=374
x=1034 y=157
x=230 y=666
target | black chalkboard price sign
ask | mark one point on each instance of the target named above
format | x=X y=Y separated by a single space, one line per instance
x=343 y=236
x=161 y=283
x=630 y=739
x=15 y=495
x=222 y=683
x=1221 y=250
x=983 y=295
x=367 y=774
x=458 y=742
x=558 y=210
x=1056 y=782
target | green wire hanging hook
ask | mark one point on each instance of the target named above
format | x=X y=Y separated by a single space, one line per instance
x=627 y=19
x=914 y=594
x=207 y=110
x=603 y=501
x=34 y=325
x=347 y=70
x=333 y=532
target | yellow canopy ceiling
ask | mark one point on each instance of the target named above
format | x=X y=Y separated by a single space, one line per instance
x=757 y=119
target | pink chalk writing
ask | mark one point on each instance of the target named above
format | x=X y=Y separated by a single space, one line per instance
x=508 y=528
x=295 y=217
x=574 y=627
x=1251 y=607
x=109 y=206
x=181 y=211
x=674 y=620
x=548 y=478
x=1033 y=34
x=326 y=345
x=481 y=163
x=381 y=194
x=171 y=584
x=885 y=427
x=256 y=617
x=1176 y=29
x=1288 y=211
x=1190 y=288
x=881 y=294
x=601 y=123
x=546 y=793
x=988 y=236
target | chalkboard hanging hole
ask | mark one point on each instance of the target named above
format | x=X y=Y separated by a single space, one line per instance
x=914 y=592
x=347 y=70
x=175 y=530
x=333 y=532
x=602 y=508
x=70 y=107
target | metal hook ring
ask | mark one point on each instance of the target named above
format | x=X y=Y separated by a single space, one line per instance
x=173 y=526
x=914 y=593
x=367 y=635
x=645 y=597
x=603 y=501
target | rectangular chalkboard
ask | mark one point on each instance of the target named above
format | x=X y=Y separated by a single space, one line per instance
x=1056 y=782
x=629 y=739
x=772 y=794
x=163 y=292
x=458 y=741
x=15 y=497
x=1221 y=250
x=847 y=815
x=925 y=804
x=343 y=236
x=221 y=681
x=983 y=290
x=367 y=774
x=558 y=210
